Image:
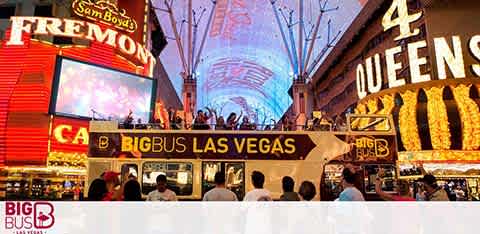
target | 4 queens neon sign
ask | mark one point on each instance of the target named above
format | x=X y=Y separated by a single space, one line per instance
x=105 y=12
x=448 y=59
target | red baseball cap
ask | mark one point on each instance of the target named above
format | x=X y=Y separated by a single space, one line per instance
x=110 y=176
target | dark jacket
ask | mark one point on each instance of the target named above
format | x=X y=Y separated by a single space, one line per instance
x=290 y=196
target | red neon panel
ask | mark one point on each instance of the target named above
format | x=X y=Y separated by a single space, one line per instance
x=26 y=76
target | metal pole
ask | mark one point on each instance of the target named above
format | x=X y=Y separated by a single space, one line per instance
x=300 y=38
x=190 y=41
x=292 y=44
x=177 y=38
x=282 y=32
x=195 y=30
x=210 y=18
x=323 y=52
x=314 y=38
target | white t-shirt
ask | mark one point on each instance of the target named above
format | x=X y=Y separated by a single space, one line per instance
x=220 y=194
x=256 y=194
x=167 y=195
x=351 y=194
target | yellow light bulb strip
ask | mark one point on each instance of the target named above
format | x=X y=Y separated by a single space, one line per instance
x=470 y=117
x=67 y=160
x=372 y=105
x=408 y=121
x=438 y=119
x=388 y=105
x=361 y=109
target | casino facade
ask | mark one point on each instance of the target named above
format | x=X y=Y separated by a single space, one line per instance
x=43 y=142
x=418 y=61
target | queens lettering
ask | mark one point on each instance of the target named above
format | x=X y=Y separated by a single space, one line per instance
x=448 y=56
x=78 y=29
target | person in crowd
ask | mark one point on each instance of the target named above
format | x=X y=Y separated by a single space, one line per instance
x=433 y=192
x=288 y=194
x=162 y=193
x=171 y=115
x=97 y=190
x=258 y=179
x=350 y=192
x=246 y=125
x=402 y=188
x=220 y=193
x=114 y=192
x=201 y=121
x=307 y=191
x=132 y=191
x=220 y=124
x=340 y=124
x=459 y=193
x=232 y=120
x=285 y=124
x=140 y=125
x=128 y=123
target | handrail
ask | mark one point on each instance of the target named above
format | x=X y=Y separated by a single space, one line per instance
x=252 y=127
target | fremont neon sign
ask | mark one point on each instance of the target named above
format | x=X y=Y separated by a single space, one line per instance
x=369 y=74
x=78 y=29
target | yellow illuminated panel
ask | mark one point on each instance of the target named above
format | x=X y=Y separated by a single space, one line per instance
x=442 y=155
x=388 y=105
x=408 y=122
x=438 y=119
x=67 y=160
x=470 y=117
x=361 y=109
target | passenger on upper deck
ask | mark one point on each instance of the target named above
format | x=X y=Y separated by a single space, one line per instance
x=128 y=123
x=201 y=120
x=246 y=125
x=232 y=120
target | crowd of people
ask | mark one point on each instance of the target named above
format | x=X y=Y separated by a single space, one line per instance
x=209 y=119
x=109 y=188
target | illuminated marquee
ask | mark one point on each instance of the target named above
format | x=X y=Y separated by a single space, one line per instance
x=369 y=78
x=78 y=29
x=81 y=135
x=105 y=12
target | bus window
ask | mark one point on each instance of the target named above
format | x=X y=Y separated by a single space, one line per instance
x=208 y=177
x=179 y=177
x=371 y=171
x=129 y=170
x=370 y=123
x=234 y=176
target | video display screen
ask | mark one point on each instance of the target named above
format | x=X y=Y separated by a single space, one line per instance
x=244 y=66
x=85 y=90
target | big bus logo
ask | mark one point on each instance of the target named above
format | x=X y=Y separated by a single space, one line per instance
x=21 y=216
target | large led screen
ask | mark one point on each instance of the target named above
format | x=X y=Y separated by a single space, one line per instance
x=84 y=90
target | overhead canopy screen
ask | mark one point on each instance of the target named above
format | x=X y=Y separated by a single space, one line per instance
x=244 y=65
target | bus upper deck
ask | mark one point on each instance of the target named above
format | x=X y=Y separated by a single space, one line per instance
x=190 y=158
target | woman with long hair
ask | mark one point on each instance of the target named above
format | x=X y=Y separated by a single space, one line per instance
x=132 y=191
x=97 y=190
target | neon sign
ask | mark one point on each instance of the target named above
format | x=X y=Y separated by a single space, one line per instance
x=105 y=12
x=369 y=74
x=78 y=29
x=81 y=135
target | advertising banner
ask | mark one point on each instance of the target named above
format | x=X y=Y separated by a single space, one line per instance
x=237 y=217
x=198 y=145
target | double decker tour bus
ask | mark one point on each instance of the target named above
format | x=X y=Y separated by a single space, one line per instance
x=190 y=158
